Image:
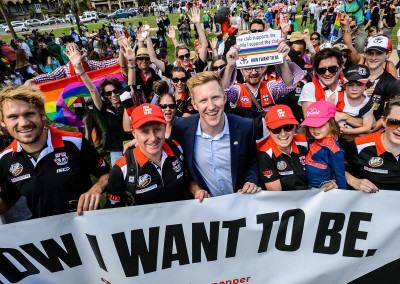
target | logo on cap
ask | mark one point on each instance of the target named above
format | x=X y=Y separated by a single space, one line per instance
x=377 y=40
x=362 y=71
x=147 y=110
x=313 y=111
x=281 y=112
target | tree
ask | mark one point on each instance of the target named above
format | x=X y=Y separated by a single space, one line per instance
x=44 y=12
x=75 y=7
x=5 y=16
x=32 y=13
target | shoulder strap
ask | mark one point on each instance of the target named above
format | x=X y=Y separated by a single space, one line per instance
x=253 y=98
x=131 y=177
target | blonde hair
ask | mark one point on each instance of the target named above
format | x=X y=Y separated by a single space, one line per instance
x=203 y=78
x=32 y=95
x=181 y=47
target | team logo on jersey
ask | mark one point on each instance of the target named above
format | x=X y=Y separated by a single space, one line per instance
x=266 y=98
x=375 y=162
x=245 y=100
x=101 y=162
x=144 y=180
x=16 y=169
x=268 y=173
x=376 y=98
x=302 y=160
x=281 y=165
x=176 y=166
x=61 y=159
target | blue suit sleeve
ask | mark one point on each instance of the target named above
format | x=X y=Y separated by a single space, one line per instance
x=252 y=170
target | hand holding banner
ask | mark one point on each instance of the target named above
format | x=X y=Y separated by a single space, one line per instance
x=259 y=49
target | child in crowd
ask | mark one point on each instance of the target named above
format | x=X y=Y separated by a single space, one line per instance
x=325 y=159
x=355 y=102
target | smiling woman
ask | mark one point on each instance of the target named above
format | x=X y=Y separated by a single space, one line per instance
x=373 y=158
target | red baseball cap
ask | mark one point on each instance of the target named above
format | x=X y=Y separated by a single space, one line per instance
x=146 y=113
x=279 y=115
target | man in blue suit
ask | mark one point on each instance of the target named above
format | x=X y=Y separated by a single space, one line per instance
x=219 y=148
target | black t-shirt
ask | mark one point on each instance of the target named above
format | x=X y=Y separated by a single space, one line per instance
x=198 y=67
x=390 y=20
x=59 y=175
x=115 y=133
x=275 y=165
x=386 y=87
x=154 y=184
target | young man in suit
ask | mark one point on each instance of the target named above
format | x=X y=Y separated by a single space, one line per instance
x=219 y=148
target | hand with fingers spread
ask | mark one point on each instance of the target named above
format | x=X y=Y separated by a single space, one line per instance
x=195 y=18
x=285 y=27
x=127 y=50
x=74 y=55
x=214 y=43
x=171 y=32
x=345 y=20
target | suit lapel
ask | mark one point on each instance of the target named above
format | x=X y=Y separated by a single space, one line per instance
x=234 y=144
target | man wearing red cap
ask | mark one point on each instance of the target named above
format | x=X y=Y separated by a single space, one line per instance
x=153 y=172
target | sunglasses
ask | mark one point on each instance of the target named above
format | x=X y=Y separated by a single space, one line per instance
x=352 y=27
x=115 y=91
x=299 y=52
x=176 y=79
x=345 y=55
x=314 y=38
x=392 y=123
x=216 y=68
x=256 y=31
x=182 y=57
x=164 y=106
x=162 y=56
x=331 y=69
x=144 y=58
x=286 y=128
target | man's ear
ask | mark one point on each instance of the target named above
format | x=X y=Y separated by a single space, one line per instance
x=2 y=124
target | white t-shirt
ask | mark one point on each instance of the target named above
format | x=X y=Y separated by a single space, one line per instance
x=312 y=8
x=398 y=35
x=354 y=110
x=308 y=93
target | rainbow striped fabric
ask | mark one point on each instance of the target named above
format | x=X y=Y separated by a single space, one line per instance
x=258 y=50
x=61 y=94
x=336 y=27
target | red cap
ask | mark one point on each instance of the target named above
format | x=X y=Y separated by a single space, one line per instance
x=279 y=115
x=232 y=30
x=146 y=113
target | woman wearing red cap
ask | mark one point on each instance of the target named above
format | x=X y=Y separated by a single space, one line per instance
x=153 y=172
x=282 y=156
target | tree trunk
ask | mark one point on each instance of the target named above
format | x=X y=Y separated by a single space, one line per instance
x=5 y=16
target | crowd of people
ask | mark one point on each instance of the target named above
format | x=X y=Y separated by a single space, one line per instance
x=327 y=116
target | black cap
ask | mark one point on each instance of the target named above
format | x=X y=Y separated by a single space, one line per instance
x=358 y=73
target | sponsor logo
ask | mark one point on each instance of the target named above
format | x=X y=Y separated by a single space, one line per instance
x=281 y=113
x=63 y=170
x=16 y=169
x=113 y=198
x=245 y=100
x=101 y=162
x=313 y=111
x=20 y=178
x=147 y=110
x=376 y=170
x=61 y=159
x=302 y=160
x=375 y=162
x=281 y=165
x=268 y=173
x=179 y=176
x=143 y=190
x=144 y=180
x=287 y=173
x=176 y=166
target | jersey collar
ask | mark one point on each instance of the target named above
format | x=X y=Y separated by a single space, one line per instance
x=278 y=152
x=142 y=159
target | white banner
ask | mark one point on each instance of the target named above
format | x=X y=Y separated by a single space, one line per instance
x=270 y=237
x=259 y=49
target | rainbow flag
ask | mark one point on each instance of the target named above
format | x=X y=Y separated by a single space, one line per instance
x=61 y=94
x=258 y=50
x=336 y=27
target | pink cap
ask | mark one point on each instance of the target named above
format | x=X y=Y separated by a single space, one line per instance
x=319 y=113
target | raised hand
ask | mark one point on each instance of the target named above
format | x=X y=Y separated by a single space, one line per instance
x=285 y=27
x=171 y=32
x=214 y=43
x=195 y=18
x=127 y=50
x=284 y=48
x=232 y=56
x=73 y=54
x=344 y=20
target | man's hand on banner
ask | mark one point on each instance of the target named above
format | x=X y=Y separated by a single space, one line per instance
x=249 y=188
x=90 y=200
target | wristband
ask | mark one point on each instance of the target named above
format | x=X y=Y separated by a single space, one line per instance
x=84 y=72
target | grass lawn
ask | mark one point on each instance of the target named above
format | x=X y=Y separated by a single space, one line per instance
x=174 y=20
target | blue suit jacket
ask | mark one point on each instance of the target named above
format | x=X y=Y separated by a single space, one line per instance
x=244 y=165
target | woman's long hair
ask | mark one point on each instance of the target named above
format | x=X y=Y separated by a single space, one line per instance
x=22 y=58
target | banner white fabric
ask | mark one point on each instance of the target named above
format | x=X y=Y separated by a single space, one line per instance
x=269 y=237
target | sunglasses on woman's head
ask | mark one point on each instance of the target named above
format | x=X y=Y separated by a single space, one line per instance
x=216 y=68
x=115 y=91
x=164 y=106
x=314 y=38
x=286 y=128
x=182 y=57
x=176 y=79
